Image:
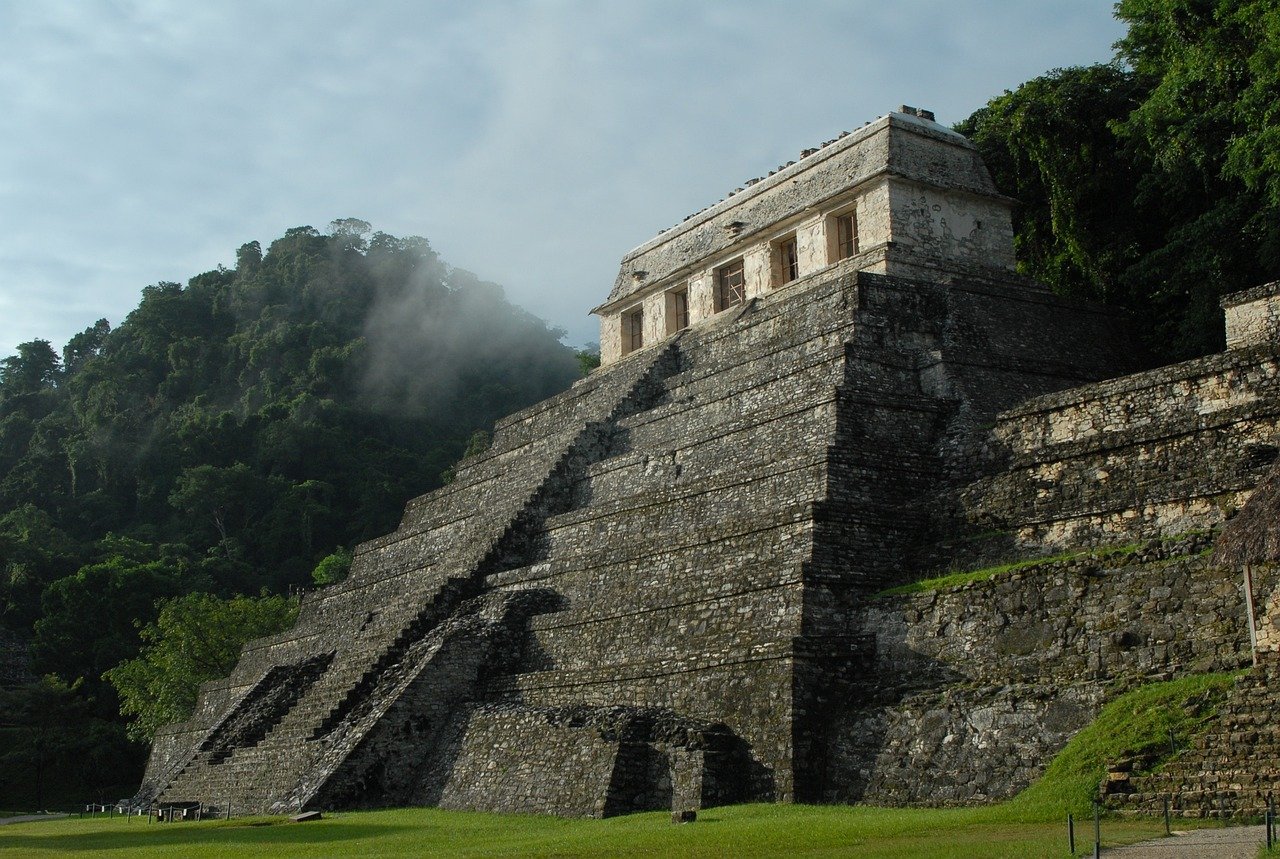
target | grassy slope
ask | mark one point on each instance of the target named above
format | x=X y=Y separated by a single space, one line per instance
x=1031 y=825
x=1136 y=723
x=955 y=578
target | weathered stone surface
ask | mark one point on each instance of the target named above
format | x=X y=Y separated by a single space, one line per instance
x=1253 y=317
x=972 y=689
x=656 y=590
x=922 y=203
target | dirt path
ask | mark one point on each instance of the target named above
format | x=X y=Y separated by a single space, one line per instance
x=29 y=818
x=1235 y=842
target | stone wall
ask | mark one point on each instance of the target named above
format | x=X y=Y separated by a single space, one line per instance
x=945 y=225
x=1161 y=452
x=914 y=149
x=1268 y=629
x=589 y=762
x=657 y=587
x=1227 y=770
x=400 y=588
x=922 y=201
x=1253 y=317
x=696 y=522
x=969 y=691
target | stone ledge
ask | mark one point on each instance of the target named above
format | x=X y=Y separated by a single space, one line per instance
x=542 y=680
x=1210 y=365
x=1246 y=296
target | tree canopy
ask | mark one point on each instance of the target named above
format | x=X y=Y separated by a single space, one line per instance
x=194 y=638
x=1152 y=183
x=310 y=391
x=231 y=436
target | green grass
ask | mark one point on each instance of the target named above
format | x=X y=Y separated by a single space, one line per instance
x=1030 y=825
x=964 y=577
x=956 y=578
x=1134 y=725
x=747 y=830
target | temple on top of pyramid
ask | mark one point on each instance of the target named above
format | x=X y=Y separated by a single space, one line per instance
x=901 y=196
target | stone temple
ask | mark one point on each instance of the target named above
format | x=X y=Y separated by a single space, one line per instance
x=662 y=588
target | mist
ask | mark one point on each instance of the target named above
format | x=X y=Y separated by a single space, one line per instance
x=448 y=346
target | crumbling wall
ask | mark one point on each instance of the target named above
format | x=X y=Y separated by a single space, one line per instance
x=589 y=762
x=707 y=519
x=400 y=587
x=1160 y=452
x=970 y=690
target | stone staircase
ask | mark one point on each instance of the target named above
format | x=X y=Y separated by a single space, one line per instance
x=686 y=532
x=1230 y=769
x=393 y=599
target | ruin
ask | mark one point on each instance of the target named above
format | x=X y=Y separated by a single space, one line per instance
x=663 y=588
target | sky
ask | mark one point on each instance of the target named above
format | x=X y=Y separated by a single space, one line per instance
x=533 y=143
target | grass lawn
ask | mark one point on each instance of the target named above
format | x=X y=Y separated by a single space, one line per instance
x=1032 y=824
x=747 y=830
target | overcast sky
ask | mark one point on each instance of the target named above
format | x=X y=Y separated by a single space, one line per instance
x=533 y=143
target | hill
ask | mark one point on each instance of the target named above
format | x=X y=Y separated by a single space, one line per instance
x=232 y=433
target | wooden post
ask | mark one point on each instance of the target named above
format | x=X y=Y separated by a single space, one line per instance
x=1097 y=830
x=1248 y=602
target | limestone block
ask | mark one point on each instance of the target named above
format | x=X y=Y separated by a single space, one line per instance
x=1253 y=317
x=701 y=296
x=757 y=270
x=1269 y=624
x=811 y=245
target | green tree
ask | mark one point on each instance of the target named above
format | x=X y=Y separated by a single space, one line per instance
x=35 y=368
x=1212 y=71
x=34 y=552
x=1152 y=183
x=54 y=751
x=230 y=425
x=333 y=568
x=195 y=638
x=227 y=498
x=588 y=358
x=84 y=345
x=1050 y=145
x=89 y=621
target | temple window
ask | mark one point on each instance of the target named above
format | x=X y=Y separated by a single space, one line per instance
x=786 y=261
x=632 y=330
x=731 y=285
x=677 y=309
x=846 y=235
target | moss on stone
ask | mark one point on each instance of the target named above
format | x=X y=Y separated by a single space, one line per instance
x=1134 y=726
x=956 y=579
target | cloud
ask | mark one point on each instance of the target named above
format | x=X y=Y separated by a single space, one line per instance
x=532 y=142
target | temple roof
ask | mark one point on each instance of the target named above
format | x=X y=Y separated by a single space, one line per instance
x=907 y=145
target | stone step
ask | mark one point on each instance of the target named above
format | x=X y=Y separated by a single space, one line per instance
x=783 y=359
x=592 y=399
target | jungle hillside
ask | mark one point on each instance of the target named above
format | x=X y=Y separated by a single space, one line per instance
x=172 y=480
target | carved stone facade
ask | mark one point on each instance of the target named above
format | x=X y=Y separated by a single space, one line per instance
x=903 y=196
x=658 y=589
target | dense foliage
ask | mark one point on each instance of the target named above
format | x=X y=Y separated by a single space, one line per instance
x=196 y=638
x=1153 y=183
x=55 y=749
x=239 y=433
